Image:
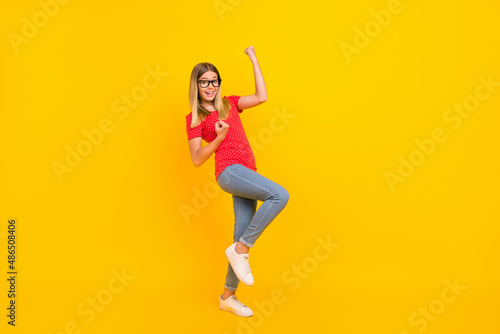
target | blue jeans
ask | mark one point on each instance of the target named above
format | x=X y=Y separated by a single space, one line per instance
x=247 y=187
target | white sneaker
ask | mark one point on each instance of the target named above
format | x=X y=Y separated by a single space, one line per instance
x=232 y=304
x=239 y=263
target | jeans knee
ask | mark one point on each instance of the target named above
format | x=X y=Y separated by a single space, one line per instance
x=282 y=196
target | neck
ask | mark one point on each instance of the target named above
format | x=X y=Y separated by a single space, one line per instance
x=208 y=105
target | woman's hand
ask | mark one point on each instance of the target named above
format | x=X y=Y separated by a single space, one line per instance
x=250 y=52
x=221 y=128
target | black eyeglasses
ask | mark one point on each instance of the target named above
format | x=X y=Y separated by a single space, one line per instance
x=206 y=83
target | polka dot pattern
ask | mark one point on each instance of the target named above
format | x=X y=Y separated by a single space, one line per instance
x=235 y=148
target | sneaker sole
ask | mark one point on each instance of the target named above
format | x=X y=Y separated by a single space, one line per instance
x=231 y=311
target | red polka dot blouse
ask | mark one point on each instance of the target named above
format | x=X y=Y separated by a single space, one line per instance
x=235 y=148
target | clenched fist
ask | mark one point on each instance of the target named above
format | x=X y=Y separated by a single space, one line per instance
x=221 y=128
x=250 y=52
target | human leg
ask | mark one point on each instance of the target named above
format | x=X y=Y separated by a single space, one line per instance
x=244 y=210
x=243 y=182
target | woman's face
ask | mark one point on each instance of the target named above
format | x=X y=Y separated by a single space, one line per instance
x=207 y=94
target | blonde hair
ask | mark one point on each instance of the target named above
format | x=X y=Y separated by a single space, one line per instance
x=197 y=110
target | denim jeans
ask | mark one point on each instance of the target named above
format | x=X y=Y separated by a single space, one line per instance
x=247 y=187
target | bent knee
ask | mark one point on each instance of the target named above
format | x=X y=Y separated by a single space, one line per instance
x=283 y=196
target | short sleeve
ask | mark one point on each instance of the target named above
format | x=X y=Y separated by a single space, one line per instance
x=192 y=132
x=234 y=101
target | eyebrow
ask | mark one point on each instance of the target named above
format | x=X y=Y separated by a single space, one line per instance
x=215 y=77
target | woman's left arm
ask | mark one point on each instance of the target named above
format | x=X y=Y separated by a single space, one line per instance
x=260 y=95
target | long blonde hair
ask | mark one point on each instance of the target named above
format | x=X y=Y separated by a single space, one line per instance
x=197 y=110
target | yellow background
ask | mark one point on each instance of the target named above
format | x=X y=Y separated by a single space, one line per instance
x=119 y=209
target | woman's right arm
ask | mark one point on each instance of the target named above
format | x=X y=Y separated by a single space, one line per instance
x=199 y=153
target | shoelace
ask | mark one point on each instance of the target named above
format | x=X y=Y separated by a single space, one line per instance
x=237 y=303
x=246 y=265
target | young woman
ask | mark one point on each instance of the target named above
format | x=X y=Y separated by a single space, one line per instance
x=216 y=120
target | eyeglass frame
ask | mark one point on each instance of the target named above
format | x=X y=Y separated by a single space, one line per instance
x=211 y=82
